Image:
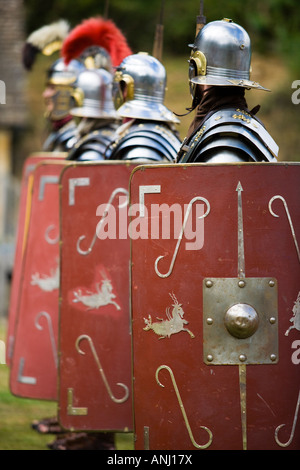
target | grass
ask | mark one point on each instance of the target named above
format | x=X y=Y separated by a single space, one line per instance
x=17 y=414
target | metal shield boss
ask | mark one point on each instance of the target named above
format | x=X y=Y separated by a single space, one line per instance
x=216 y=306
x=95 y=335
x=24 y=211
x=34 y=356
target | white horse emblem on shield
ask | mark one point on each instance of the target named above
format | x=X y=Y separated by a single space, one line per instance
x=99 y=298
x=173 y=324
x=295 y=320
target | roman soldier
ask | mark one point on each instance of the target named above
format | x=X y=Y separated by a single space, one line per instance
x=224 y=129
x=61 y=93
x=99 y=119
x=148 y=132
x=101 y=45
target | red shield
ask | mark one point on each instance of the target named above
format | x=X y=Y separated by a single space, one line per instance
x=215 y=309
x=34 y=358
x=95 y=339
x=24 y=211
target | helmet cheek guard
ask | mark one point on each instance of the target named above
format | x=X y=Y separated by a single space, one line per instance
x=63 y=78
x=197 y=66
x=123 y=89
x=77 y=97
x=62 y=102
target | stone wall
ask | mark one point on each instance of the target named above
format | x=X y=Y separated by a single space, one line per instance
x=13 y=114
x=12 y=37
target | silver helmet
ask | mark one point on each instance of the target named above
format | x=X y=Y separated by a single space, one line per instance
x=95 y=57
x=64 y=79
x=221 y=55
x=145 y=80
x=96 y=85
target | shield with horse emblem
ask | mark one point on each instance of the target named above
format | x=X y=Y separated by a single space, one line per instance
x=34 y=359
x=95 y=335
x=24 y=213
x=215 y=306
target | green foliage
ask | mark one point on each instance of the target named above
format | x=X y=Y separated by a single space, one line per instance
x=274 y=25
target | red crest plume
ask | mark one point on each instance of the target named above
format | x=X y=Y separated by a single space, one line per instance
x=96 y=32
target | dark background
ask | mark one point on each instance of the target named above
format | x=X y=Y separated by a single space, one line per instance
x=274 y=25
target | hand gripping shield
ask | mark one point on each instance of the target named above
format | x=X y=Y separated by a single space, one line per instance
x=24 y=213
x=215 y=310
x=34 y=357
x=95 y=335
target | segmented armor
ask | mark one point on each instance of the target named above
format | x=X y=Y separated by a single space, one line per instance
x=145 y=141
x=61 y=140
x=229 y=135
x=148 y=133
x=92 y=146
x=223 y=129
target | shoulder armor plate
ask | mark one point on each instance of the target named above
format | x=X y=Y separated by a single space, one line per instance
x=232 y=129
x=146 y=141
x=96 y=141
x=63 y=139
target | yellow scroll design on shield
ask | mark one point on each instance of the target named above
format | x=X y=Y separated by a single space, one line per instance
x=198 y=446
x=82 y=237
x=181 y=235
x=48 y=238
x=286 y=444
x=27 y=212
x=51 y=332
x=74 y=410
x=100 y=368
x=289 y=219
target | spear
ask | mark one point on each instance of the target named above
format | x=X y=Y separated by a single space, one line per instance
x=201 y=19
x=105 y=15
x=159 y=33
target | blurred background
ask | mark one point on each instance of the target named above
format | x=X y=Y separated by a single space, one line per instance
x=274 y=28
